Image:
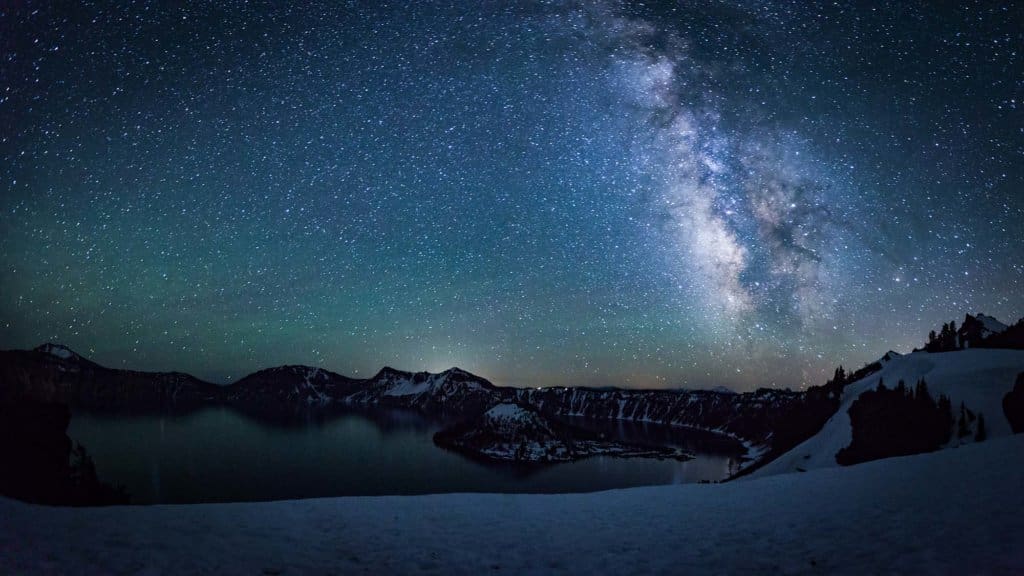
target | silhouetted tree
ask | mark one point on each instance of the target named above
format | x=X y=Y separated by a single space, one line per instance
x=981 y=434
x=923 y=397
x=945 y=408
x=1013 y=405
x=895 y=422
x=963 y=429
x=970 y=335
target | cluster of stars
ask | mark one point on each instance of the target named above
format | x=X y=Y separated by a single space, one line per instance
x=544 y=193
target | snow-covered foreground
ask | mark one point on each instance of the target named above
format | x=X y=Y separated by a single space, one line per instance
x=954 y=511
x=979 y=378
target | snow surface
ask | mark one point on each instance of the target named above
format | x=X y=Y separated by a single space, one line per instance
x=315 y=395
x=508 y=410
x=408 y=387
x=978 y=377
x=58 y=351
x=949 y=512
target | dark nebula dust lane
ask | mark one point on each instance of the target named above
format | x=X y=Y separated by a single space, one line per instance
x=601 y=193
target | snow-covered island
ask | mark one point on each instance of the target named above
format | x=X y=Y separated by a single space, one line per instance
x=513 y=433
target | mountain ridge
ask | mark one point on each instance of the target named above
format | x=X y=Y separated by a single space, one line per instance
x=769 y=422
x=765 y=420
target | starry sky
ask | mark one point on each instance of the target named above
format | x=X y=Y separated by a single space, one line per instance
x=652 y=194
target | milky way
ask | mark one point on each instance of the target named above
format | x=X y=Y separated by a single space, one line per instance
x=665 y=194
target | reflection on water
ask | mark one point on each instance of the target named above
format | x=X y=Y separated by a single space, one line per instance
x=218 y=455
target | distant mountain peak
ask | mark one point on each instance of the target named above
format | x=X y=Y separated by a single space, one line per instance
x=290 y=368
x=989 y=324
x=975 y=329
x=59 y=350
x=451 y=373
x=890 y=355
x=388 y=371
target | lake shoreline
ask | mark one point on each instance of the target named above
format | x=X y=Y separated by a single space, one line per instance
x=220 y=454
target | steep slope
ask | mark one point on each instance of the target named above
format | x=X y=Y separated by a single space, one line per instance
x=751 y=416
x=768 y=422
x=979 y=378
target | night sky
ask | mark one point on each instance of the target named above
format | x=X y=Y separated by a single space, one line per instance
x=646 y=195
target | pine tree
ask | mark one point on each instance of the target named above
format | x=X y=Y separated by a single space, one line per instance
x=981 y=434
x=946 y=413
x=838 y=377
x=924 y=397
x=963 y=430
x=947 y=339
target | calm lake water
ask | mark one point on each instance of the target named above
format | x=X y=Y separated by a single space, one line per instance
x=219 y=455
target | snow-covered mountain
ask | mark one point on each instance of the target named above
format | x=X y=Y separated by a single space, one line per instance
x=978 y=378
x=976 y=331
x=991 y=325
x=453 y=392
x=977 y=328
x=55 y=373
x=60 y=351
